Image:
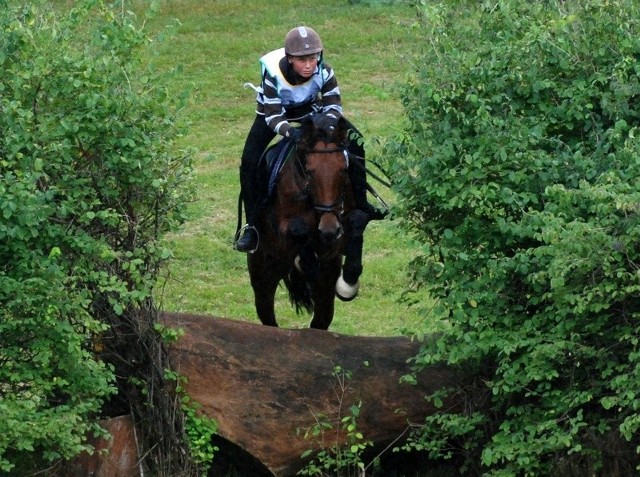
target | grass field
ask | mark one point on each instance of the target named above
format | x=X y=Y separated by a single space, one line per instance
x=216 y=45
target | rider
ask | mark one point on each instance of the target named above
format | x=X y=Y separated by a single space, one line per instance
x=295 y=82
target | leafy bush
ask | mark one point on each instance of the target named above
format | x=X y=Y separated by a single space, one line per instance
x=199 y=428
x=340 y=444
x=89 y=181
x=519 y=172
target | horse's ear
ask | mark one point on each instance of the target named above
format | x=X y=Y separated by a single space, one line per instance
x=306 y=126
x=340 y=133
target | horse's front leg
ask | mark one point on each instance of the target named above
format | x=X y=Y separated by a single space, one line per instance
x=348 y=285
x=264 y=282
x=324 y=293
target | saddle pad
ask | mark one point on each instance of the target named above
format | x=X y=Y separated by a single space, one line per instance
x=274 y=158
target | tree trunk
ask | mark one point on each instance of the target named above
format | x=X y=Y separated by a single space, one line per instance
x=265 y=386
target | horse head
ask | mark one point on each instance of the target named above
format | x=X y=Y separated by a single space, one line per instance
x=325 y=162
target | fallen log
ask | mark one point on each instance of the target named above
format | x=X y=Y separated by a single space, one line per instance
x=113 y=457
x=265 y=385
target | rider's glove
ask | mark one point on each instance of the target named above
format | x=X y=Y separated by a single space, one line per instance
x=295 y=134
x=327 y=122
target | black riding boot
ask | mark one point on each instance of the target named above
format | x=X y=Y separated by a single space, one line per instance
x=248 y=240
x=358 y=178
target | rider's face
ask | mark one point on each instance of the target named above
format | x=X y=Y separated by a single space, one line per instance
x=305 y=66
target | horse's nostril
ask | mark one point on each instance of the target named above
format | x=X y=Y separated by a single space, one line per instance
x=328 y=237
x=330 y=234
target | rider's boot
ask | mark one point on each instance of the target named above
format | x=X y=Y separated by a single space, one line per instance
x=249 y=238
x=358 y=178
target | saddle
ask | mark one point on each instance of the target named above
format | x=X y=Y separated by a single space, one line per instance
x=271 y=163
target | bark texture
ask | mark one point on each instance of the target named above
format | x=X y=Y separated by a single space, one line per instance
x=264 y=385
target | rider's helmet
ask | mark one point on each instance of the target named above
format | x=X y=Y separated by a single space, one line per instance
x=302 y=41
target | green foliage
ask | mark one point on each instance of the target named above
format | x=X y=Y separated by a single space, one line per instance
x=88 y=183
x=372 y=3
x=169 y=335
x=518 y=171
x=50 y=381
x=199 y=428
x=340 y=443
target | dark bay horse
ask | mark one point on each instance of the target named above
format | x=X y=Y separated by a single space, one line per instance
x=306 y=227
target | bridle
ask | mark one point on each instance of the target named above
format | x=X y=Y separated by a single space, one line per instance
x=336 y=207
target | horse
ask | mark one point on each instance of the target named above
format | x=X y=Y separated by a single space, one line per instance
x=306 y=227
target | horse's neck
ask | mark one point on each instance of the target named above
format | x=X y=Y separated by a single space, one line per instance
x=293 y=181
x=301 y=179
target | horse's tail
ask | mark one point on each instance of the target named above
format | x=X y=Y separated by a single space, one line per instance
x=299 y=290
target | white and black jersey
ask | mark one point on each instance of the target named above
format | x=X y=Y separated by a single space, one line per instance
x=285 y=96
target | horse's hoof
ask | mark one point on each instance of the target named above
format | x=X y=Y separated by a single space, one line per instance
x=346 y=292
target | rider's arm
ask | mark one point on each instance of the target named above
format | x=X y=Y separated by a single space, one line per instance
x=330 y=93
x=274 y=113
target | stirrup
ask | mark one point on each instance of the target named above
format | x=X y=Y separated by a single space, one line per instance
x=241 y=232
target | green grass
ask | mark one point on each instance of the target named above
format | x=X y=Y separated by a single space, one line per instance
x=217 y=45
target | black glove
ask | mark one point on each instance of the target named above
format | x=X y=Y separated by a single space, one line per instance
x=327 y=123
x=295 y=134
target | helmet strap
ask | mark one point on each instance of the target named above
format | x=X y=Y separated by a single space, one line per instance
x=320 y=62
